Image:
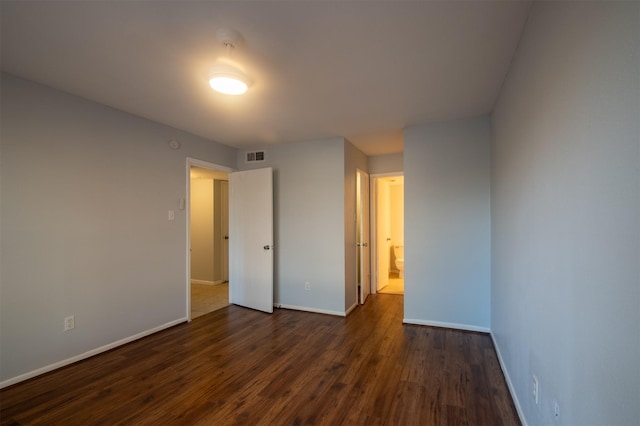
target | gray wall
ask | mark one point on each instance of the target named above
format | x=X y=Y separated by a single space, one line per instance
x=309 y=223
x=447 y=223
x=566 y=212
x=386 y=163
x=85 y=194
x=202 y=230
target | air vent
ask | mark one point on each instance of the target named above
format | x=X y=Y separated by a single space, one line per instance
x=254 y=157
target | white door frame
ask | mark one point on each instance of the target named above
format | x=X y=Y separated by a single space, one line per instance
x=193 y=162
x=373 y=189
x=363 y=253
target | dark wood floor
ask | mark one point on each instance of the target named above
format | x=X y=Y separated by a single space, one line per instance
x=238 y=366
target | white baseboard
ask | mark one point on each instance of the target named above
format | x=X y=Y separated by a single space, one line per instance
x=307 y=309
x=505 y=373
x=454 y=325
x=88 y=354
x=355 y=305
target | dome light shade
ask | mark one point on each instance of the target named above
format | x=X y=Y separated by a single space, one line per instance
x=228 y=80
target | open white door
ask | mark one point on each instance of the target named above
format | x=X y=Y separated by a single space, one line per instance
x=224 y=228
x=251 y=239
x=363 y=231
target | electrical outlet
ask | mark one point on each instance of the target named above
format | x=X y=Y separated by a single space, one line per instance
x=535 y=390
x=307 y=286
x=69 y=323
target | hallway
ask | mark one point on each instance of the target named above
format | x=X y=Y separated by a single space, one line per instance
x=395 y=286
x=208 y=298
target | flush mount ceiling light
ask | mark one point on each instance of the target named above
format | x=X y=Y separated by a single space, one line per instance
x=225 y=77
x=228 y=80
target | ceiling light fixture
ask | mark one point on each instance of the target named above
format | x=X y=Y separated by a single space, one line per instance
x=228 y=80
x=225 y=77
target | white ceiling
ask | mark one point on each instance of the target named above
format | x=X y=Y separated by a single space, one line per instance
x=359 y=69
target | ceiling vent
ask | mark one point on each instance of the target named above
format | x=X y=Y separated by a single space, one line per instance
x=254 y=157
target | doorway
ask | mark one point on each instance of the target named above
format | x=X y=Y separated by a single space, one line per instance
x=387 y=209
x=208 y=242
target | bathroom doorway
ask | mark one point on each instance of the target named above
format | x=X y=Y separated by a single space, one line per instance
x=209 y=240
x=388 y=232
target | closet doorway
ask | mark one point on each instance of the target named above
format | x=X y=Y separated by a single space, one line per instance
x=209 y=240
x=387 y=213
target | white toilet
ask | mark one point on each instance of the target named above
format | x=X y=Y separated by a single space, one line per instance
x=398 y=252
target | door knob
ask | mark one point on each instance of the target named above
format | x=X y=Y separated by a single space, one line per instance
x=267 y=247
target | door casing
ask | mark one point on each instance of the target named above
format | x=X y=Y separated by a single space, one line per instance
x=363 y=232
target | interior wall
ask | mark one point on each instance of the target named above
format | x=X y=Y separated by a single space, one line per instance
x=383 y=219
x=86 y=191
x=220 y=229
x=387 y=163
x=396 y=210
x=202 y=234
x=566 y=211
x=309 y=223
x=447 y=217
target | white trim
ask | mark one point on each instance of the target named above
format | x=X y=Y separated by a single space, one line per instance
x=505 y=373
x=373 y=233
x=204 y=164
x=88 y=354
x=357 y=249
x=204 y=282
x=351 y=309
x=207 y=165
x=387 y=174
x=465 y=327
x=306 y=309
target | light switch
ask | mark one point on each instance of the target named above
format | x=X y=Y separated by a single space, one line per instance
x=172 y=215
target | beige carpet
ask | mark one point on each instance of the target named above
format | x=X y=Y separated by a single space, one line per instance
x=208 y=298
x=395 y=286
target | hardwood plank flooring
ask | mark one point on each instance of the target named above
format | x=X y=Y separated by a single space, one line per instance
x=238 y=366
